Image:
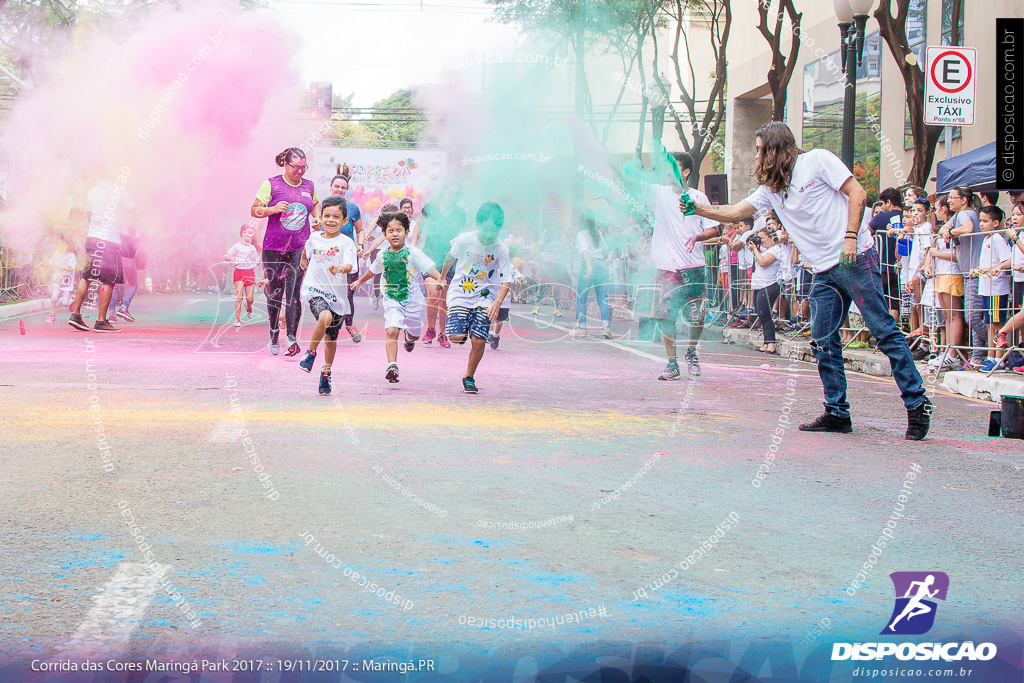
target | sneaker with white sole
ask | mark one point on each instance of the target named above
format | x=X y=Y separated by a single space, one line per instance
x=105 y=326
x=274 y=347
x=307 y=362
x=51 y=319
x=391 y=374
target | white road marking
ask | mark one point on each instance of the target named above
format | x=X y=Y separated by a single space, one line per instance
x=116 y=612
x=614 y=345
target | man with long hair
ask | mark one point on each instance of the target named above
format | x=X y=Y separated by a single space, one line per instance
x=821 y=206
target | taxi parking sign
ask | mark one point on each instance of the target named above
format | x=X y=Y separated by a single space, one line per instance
x=949 y=86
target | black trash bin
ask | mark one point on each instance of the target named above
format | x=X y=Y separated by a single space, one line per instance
x=1012 y=419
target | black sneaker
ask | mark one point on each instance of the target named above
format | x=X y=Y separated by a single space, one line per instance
x=293 y=347
x=325 y=383
x=409 y=345
x=392 y=373
x=692 y=363
x=76 y=322
x=105 y=326
x=307 y=362
x=919 y=419
x=274 y=346
x=469 y=385
x=495 y=340
x=827 y=422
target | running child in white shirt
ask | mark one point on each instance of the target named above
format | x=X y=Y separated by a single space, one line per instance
x=244 y=257
x=483 y=272
x=62 y=284
x=327 y=258
x=402 y=267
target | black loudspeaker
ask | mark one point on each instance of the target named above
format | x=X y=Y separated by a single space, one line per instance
x=716 y=187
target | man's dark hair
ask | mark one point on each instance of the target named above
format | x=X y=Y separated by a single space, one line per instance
x=990 y=197
x=684 y=160
x=993 y=212
x=891 y=195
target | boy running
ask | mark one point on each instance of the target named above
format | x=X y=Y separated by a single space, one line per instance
x=327 y=257
x=402 y=267
x=483 y=272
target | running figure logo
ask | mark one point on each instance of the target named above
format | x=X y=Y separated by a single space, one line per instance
x=914 y=613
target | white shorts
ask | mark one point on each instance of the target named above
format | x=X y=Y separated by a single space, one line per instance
x=407 y=317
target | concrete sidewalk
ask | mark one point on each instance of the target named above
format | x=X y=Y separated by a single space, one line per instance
x=873 y=362
x=8 y=311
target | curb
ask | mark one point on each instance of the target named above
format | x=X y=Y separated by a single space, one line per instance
x=24 y=308
x=970 y=384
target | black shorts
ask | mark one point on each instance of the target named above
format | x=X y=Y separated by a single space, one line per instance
x=102 y=262
x=318 y=305
x=502 y=315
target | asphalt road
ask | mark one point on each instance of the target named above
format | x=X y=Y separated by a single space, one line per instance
x=614 y=479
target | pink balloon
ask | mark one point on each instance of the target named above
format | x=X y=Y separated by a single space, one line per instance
x=378 y=193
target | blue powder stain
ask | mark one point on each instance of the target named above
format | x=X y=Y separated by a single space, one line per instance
x=242 y=548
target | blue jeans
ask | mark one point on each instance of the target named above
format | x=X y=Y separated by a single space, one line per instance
x=583 y=286
x=831 y=294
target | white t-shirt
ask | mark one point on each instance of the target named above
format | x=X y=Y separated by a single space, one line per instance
x=723 y=257
x=1018 y=260
x=584 y=243
x=744 y=259
x=943 y=266
x=813 y=210
x=403 y=288
x=479 y=271
x=107 y=207
x=994 y=250
x=922 y=243
x=767 y=275
x=243 y=256
x=516 y=275
x=671 y=228
x=322 y=253
x=787 y=269
x=64 y=270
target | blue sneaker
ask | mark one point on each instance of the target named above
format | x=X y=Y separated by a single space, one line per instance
x=988 y=366
x=307 y=362
x=325 y=384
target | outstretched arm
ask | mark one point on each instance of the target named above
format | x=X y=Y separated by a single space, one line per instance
x=724 y=214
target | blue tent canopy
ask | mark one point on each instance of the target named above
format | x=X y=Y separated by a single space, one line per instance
x=976 y=168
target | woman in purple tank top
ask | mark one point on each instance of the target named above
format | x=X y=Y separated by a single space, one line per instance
x=290 y=205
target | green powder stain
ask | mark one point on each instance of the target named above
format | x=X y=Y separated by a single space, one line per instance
x=396 y=274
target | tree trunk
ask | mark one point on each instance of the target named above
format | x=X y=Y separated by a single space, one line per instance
x=893 y=30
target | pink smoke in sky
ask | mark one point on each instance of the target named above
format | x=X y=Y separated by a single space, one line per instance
x=195 y=102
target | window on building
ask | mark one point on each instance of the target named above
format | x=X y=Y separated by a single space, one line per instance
x=947 y=22
x=824 y=93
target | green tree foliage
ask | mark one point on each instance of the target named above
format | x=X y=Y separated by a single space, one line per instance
x=396 y=119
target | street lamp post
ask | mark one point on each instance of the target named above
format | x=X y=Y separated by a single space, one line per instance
x=853 y=17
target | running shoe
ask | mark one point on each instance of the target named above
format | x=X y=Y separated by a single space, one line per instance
x=578 y=333
x=858 y=345
x=558 y=313
x=51 y=319
x=988 y=366
x=671 y=371
x=946 y=362
x=248 y=311
x=607 y=333
x=105 y=326
x=354 y=333
x=325 y=383
x=375 y=301
x=293 y=347
x=409 y=344
x=442 y=341
x=274 y=346
x=975 y=363
x=495 y=339
x=307 y=362
x=125 y=315
x=469 y=385
x=536 y=310
x=392 y=373
x=1019 y=369
x=238 y=322
x=827 y=422
x=76 y=322
x=692 y=363
x=429 y=335
x=1001 y=341
x=919 y=419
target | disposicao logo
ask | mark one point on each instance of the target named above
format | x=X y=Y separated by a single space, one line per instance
x=913 y=615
